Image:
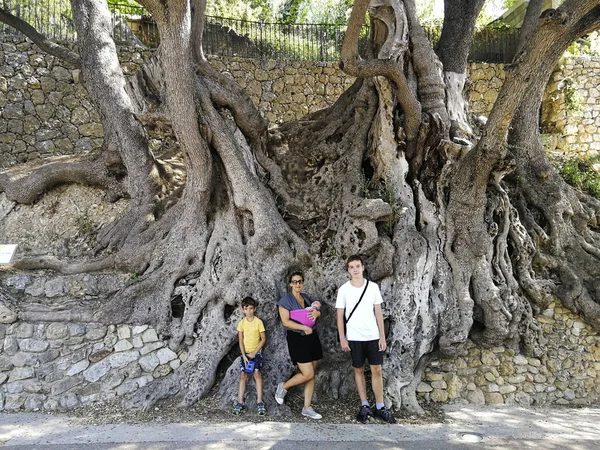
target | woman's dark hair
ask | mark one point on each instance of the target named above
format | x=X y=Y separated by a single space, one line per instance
x=249 y=301
x=296 y=274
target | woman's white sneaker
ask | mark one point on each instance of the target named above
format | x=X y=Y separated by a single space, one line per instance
x=311 y=413
x=280 y=394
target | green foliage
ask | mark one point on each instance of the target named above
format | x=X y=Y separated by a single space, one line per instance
x=581 y=174
x=571 y=96
x=255 y=10
x=315 y=11
x=586 y=45
x=134 y=278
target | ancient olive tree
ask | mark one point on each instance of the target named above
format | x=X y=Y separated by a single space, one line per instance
x=466 y=226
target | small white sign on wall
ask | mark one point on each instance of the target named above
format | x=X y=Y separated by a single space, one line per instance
x=6 y=253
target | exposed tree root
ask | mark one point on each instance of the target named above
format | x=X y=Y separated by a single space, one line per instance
x=24 y=184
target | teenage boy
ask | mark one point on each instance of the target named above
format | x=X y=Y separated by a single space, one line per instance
x=364 y=338
x=252 y=338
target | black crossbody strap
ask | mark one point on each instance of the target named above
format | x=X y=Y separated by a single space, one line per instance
x=355 y=306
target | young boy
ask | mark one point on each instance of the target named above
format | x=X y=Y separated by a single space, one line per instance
x=365 y=337
x=252 y=338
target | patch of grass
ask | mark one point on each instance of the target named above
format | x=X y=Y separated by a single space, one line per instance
x=134 y=278
x=580 y=173
x=84 y=224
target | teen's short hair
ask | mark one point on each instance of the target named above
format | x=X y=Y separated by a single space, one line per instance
x=296 y=274
x=249 y=301
x=354 y=258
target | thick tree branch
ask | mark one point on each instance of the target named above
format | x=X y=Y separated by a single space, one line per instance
x=198 y=17
x=39 y=39
x=25 y=185
x=352 y=64
x=227 y=93
x=532 y=14
x=455 y=41
x=428 y=69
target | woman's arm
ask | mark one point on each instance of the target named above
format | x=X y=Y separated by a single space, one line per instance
x=284 y=315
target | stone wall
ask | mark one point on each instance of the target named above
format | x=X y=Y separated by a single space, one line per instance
x=570 y=120
x=45 y=111
x=569 y=373
x=49 y=366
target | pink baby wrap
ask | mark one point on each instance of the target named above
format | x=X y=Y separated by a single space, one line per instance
x=301 y=316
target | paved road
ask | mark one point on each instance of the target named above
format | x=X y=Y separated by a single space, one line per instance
x=467 y=427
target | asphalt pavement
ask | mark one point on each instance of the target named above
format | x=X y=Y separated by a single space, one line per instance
x=466 y=427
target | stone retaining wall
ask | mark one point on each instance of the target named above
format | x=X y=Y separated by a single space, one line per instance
x=569 y=373
x=49 y=366
x=45 y=111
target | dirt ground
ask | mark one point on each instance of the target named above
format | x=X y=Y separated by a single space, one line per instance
x=210 y=410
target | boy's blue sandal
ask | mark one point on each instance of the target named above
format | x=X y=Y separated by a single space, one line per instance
x=260 y=408
x=237 y=409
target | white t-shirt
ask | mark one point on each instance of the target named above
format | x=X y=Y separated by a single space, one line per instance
x=362 y=326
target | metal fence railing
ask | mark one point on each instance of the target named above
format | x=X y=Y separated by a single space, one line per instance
x=133 y=25
x=52 y=18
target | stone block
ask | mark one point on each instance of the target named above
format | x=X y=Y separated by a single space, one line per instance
x=34 y=402
x=34 y=345
x=121 y=359
x=424 y=387
x=68 y=401
x=57 y=330
x=123 y=331
x=166 y=355
x=113 y=380
x=127 y=387
x=78 y=367
x=13 y=402
x=16 y=387
x=520 y=360
x=123 y=345
x=149 y=362
x=162 y=371
x=438 y=395
x=64 y=385
x=95 y=332
x=149 y=335
x=10 y=347
x=493 y=398
x=96 y=371
x=139 y=329
x=507 y=389
x=476 y=397
x=22 y=359
x=24 y=330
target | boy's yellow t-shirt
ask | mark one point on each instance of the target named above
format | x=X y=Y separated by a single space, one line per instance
x=251 y=332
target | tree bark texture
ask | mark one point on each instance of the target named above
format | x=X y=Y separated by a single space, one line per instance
x=467 y=235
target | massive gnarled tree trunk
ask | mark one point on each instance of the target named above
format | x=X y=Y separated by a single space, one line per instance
x=463 y=229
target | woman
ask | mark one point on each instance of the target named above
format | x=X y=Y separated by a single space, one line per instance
x=303 y=344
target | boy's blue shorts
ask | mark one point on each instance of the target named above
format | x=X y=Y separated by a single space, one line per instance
x=257 y=362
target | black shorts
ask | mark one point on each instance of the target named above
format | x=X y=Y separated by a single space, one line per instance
x=362 y=350
x=304 y=348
